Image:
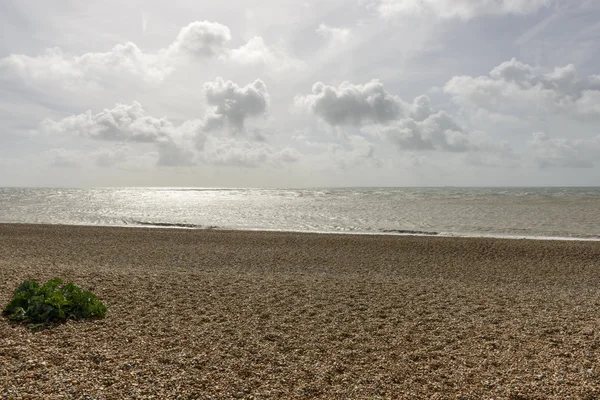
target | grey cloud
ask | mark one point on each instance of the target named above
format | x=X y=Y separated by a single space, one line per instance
x=489 y=154
x=231 y=152
x=407 y=135
x=358 y=152
x=334 y=35
x=422 y=128
x=438 y=131
x=170 y=154
x=414 y=126
x=288 y=155
x=233 y=104
x=351 y=151
x=515 y=87
x=421 y=108
x=351 y=104
x=563 y=80
x=514 y=71
x=63 y=158
x=562 y=152
x=489 y=160
x=111 y=157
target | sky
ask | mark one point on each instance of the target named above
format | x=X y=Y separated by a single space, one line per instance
x=286 y=93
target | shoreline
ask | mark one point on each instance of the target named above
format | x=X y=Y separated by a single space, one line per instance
x=400 y=233
x=266 y=315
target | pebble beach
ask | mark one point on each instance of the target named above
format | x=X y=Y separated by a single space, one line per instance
x=217 y=314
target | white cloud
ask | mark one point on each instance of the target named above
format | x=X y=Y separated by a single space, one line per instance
x=57 y=63
x=464 y=9
x=198 y=41
x=256 y=52
x=351 y=104
x=232 y=104
x=201 y=39
x=77 y=71
x=129 y=123
x=122 y=123
x=177 y=145
x=565 y=153
x=516 y=88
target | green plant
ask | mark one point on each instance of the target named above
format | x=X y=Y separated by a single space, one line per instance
x=52 y=302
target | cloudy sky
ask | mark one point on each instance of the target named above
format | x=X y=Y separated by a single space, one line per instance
x=287 y=93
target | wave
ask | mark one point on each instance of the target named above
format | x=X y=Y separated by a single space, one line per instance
x=409 y=232
x=169 y=224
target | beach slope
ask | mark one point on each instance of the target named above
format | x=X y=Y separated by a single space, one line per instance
x=229 y=314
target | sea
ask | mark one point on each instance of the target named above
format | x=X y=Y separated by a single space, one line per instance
x=542 y=213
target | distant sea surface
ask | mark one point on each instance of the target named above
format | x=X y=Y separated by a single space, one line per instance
x=572 y=213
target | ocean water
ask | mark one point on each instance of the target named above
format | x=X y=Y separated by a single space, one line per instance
x=515 y=212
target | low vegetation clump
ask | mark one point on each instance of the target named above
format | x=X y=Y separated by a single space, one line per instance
x=52 y=302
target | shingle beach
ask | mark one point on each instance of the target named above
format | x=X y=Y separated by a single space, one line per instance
x=211 y=314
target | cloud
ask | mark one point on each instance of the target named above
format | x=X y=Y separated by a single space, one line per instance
x=77 y=71
x=516 y=88
x=171 y=154
x=335 y=36
x=463 y=9
x=231 y=152
x=421 y=108
x=412 y=126
x=490 y=160
x=256 y=52
x=351 y=104
x=110 y=157
x=490 y=154
x=425 y=128
x=358 y=152
x=63 y=158
x=566 y=153
x=437 y=131
x=348 y=152
x=122 y=123
x=201 y=39
x=177 y=145
x=129 y=123
x=232 y=104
